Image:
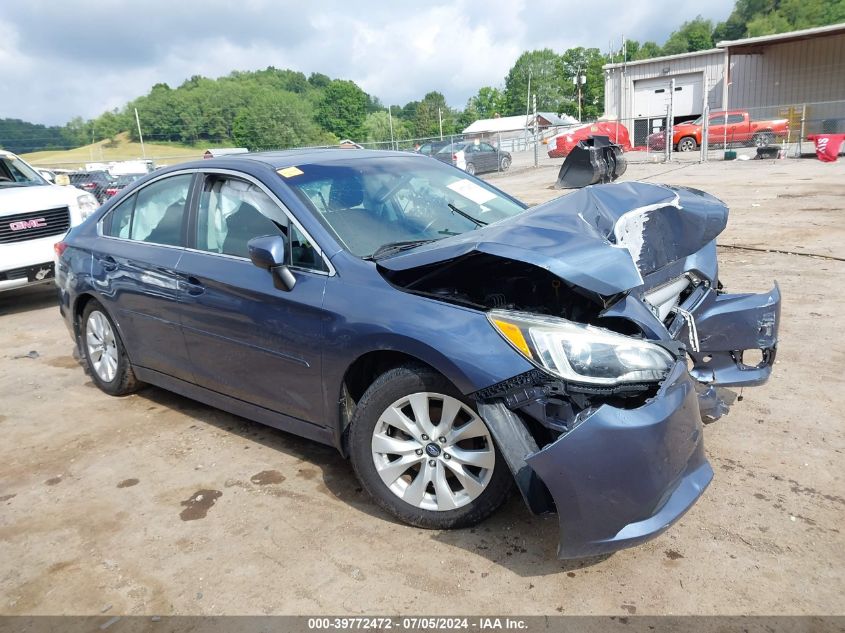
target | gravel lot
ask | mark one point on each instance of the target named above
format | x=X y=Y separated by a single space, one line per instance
x=154 y=504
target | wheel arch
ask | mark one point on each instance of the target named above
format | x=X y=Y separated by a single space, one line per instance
x=368 y=366
x=80 y=303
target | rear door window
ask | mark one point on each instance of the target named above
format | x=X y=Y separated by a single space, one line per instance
x=160 y=211
x=155 y=214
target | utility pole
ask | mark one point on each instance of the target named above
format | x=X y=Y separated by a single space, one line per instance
x=536 y=145
x=390 y=121
x=140 y=136
x=670 y=120
x=579 y=80
x=528 y=97
x=440 y=119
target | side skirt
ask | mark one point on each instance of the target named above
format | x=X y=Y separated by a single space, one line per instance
x=237 y=407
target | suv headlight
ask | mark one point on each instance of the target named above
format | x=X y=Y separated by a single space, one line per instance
x=581 y=353
x=87 y=204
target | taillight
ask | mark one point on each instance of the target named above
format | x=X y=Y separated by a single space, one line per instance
x=455 y=157
x=111 y=191
x=59 y=247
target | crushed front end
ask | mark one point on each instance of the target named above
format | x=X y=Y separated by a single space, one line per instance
x=613 y=294
x=620 y=463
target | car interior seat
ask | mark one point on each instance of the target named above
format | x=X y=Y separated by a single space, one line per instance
x=243 y=225
x=169 y=229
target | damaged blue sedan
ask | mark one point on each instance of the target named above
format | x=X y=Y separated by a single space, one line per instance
x=452 y=342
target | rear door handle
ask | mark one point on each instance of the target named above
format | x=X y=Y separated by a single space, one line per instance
x=108 y=263
x=194 y=286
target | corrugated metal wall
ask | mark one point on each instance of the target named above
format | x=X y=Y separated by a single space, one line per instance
x=790 y=73
x=710 y=65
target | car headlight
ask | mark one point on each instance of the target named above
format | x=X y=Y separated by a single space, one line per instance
x=87 y=204
x=581 y=353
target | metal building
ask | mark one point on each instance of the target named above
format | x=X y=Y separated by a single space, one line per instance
x=799 y=75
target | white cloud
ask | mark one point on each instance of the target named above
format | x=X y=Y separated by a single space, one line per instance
x=58 y=63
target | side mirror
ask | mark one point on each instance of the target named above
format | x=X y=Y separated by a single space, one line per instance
x=268 y=252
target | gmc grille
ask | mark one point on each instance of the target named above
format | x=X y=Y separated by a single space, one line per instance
x=23 y=227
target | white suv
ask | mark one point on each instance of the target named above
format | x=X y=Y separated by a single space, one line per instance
x=34 y=215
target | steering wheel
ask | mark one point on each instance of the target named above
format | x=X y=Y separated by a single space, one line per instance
x=6 y=179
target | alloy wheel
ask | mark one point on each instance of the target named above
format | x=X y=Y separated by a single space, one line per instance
x=433 y=451
x=102 y=346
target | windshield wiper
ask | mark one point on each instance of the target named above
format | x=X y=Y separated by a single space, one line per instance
x=395 y=247
x=466 y=215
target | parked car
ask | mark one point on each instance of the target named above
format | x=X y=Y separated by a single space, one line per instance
x=474 y=157
x=120 y=182
x=735 y=126
x=430 y=148
x=34 y=214
x=94 y=182
x=447 y=338
x=560 y=145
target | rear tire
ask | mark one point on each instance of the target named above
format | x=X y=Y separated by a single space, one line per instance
x=687 y=144
x=469 y=479
x=470 y=169
x=104 y=355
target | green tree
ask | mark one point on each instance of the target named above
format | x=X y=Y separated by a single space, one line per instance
x=319 y=80
x=695 y=35
x=647 y=50
x=377 y=128
x=430 y=111
x=342 y=109
x=544 y=67
x=488 y=102
x=409 y=110
x=751 y=18
x=277 y=120
x=588 y=62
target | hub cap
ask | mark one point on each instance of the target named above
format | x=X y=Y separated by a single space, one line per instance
x=433 y=451
x=102 y=349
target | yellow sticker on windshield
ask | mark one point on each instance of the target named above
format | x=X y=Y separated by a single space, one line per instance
x=287 y=172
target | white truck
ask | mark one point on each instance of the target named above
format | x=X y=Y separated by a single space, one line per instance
x=34 y=215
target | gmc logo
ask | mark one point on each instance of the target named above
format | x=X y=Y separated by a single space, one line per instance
x=22 y=225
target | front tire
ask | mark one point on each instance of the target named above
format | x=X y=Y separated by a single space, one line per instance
x=105 y=357
x=506 y=163
x=423 y=453
x=687 y=144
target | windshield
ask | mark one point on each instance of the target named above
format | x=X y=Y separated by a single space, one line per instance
x=16 y=173
x=373 y=203
x=698 y=120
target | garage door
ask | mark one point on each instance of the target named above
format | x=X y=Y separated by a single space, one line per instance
x=651 y=96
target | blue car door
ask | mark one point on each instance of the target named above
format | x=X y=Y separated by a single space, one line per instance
x=134 y=269
x=246 y=338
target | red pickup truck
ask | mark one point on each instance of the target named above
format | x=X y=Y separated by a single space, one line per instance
x=741 y=130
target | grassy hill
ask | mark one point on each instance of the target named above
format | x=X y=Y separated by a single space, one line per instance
x=121 y=149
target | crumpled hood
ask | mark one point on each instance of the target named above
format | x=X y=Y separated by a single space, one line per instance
x=603 y=238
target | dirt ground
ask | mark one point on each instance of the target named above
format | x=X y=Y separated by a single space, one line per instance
x=154 y=504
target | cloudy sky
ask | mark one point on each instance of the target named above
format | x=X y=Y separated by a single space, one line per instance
x=81 y=57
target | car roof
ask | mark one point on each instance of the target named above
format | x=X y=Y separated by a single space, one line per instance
x=290 y=158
